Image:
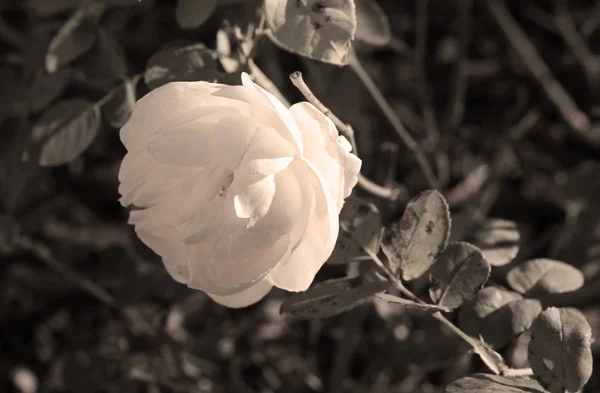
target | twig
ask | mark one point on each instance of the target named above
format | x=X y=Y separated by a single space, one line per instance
x=389 y=113
x=348 y=132
x=429 y=116
x=263 y=81
x=539 y=16
x=518 y=372
x=399 y=46
x=581 y=50
x=467 y=188
x=491 y=358
x=456 y=103
x=389 y=151
x=12 y=36
x=577 y=119
x=592 y=22
x=524 y=125
x=43 y=253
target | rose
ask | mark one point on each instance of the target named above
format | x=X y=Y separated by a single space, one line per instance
x=235 y=192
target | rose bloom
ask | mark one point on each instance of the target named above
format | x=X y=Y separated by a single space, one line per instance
x=235 y=192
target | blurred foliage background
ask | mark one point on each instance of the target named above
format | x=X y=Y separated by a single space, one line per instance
x=85 y=307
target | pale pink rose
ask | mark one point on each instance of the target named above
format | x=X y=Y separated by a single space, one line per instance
x=235 y=192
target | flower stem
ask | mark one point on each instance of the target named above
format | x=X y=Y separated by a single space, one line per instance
x=491 y=358
x=346 y=130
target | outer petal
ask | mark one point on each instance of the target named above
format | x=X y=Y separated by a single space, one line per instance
x=318 y=238
x=246 y=297
x=173 y=105
x=279 y=108
x=328 y=151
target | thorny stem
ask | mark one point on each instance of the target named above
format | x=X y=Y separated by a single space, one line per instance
x=348 y=132
x=394 y=120
x=491 y=358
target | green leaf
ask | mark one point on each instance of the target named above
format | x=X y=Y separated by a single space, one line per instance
x=189 y=63
x=498 y=239
x=318 y=29
x=332 y=297
x=361 y=230
x=559 y=350
x=118 y=108
x=544 y=276
x=489 y=383
x=191 y=14
x=64 y=132
x=414 y=242
x=498 y=315
x=372 y=23
x=458 y=274
x=411 y=304
x=76 y=36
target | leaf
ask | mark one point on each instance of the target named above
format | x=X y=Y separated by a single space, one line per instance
x=411 y=304
x=332 y=297
x=490 y=299
x=46 y=88
x=559 y=350
x=318 y=29
x=76 y=36
x=64 y=132
x=488 y=383
x=372 y=23
x=191 y=14
x=458 y=274
x=118 y=108
x=498 y=315
x=544 y=276
x=498 y=239
x=510 y=321
x=414 y=242
x=189 y=63
x=361 y=230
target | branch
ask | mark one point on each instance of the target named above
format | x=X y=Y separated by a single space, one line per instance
x=389 y=113
x=577 y=119
x=348 y=132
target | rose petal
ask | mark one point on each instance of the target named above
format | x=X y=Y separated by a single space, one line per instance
x=283 y=112
x=267 y=154
x=246 y=297
x=188 y=145
x=218 y=267
x=232 y=139
x=328 y=151
x=254 y=200
x=207 y=184
x=318 y=239
x=160 y=106
x=171 y=106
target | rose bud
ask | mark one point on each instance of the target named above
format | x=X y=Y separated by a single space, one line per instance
x=235 y=192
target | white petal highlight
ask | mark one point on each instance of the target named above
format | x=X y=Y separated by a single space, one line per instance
x=246 y=297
